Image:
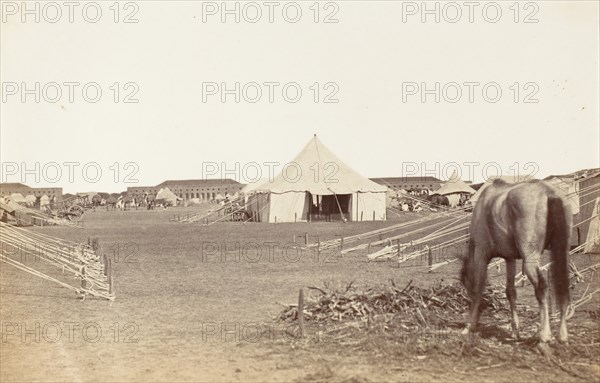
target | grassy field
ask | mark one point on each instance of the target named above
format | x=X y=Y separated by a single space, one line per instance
x=186 y=294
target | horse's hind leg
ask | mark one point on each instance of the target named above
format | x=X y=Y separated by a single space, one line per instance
x=476 y=288
x=511 y=294
x=531 y=268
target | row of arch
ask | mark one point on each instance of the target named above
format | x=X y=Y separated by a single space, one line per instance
x=200 y=196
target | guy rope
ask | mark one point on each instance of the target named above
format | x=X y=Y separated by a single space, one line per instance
x=86 y=262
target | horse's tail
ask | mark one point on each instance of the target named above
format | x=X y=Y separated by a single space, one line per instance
x=559 y=225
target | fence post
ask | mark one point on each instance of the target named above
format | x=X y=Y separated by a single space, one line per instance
x=83 y=280
x=318 y=248
x=111 y=289
x=305 y=238
x=429 y=258
x=301 y=313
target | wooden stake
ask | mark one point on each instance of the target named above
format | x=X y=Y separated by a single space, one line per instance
x=301 y=313
x=306 y=238
x=318 y=248
x=111 y=288
x=429 y=257
x=105 y=258
x=83 y=280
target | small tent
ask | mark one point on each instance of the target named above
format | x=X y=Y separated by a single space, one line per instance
x=31 y=199
x=454 y=188
x=166 y=197
x=18 y=198
x=316 y=185
x=44 y=201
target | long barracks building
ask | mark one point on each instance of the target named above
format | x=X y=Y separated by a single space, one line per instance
x=409 y=183
x=8 y=188
x=204 y=190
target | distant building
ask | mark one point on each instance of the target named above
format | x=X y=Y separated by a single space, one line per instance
x=410 y=183
x=8 y=188
x=203 y=190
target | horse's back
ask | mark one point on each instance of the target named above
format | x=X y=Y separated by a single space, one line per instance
x=505 y=212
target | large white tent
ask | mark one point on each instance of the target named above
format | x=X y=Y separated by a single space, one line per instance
x=316 y=184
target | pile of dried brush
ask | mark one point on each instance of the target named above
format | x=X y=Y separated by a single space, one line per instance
x=441 y=305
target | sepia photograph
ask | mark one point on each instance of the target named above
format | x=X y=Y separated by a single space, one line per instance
x=352 y=191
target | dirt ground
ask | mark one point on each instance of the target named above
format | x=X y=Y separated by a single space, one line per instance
x=197 y=303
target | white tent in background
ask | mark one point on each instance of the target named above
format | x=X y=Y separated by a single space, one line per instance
x=31 y=199
x=509 y=179
x=18 y=198
x=454 y=188
x=316 y=182
x=44 y=201
x=167 y=196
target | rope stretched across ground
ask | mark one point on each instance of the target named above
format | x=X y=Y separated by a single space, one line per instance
x=74 y=258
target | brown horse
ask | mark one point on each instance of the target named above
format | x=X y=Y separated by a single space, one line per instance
x=520 y=221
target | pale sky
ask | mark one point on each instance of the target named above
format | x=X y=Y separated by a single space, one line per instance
x=368 y=54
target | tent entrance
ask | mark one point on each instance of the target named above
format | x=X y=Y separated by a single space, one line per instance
x=327 y=207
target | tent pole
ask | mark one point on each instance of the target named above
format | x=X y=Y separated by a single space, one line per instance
x=339 y=207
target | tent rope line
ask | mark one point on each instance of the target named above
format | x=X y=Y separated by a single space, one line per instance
x=82 y=262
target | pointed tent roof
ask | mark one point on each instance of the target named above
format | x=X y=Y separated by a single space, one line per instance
x=318 y=171
x=167 y=195
x=455 y=185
